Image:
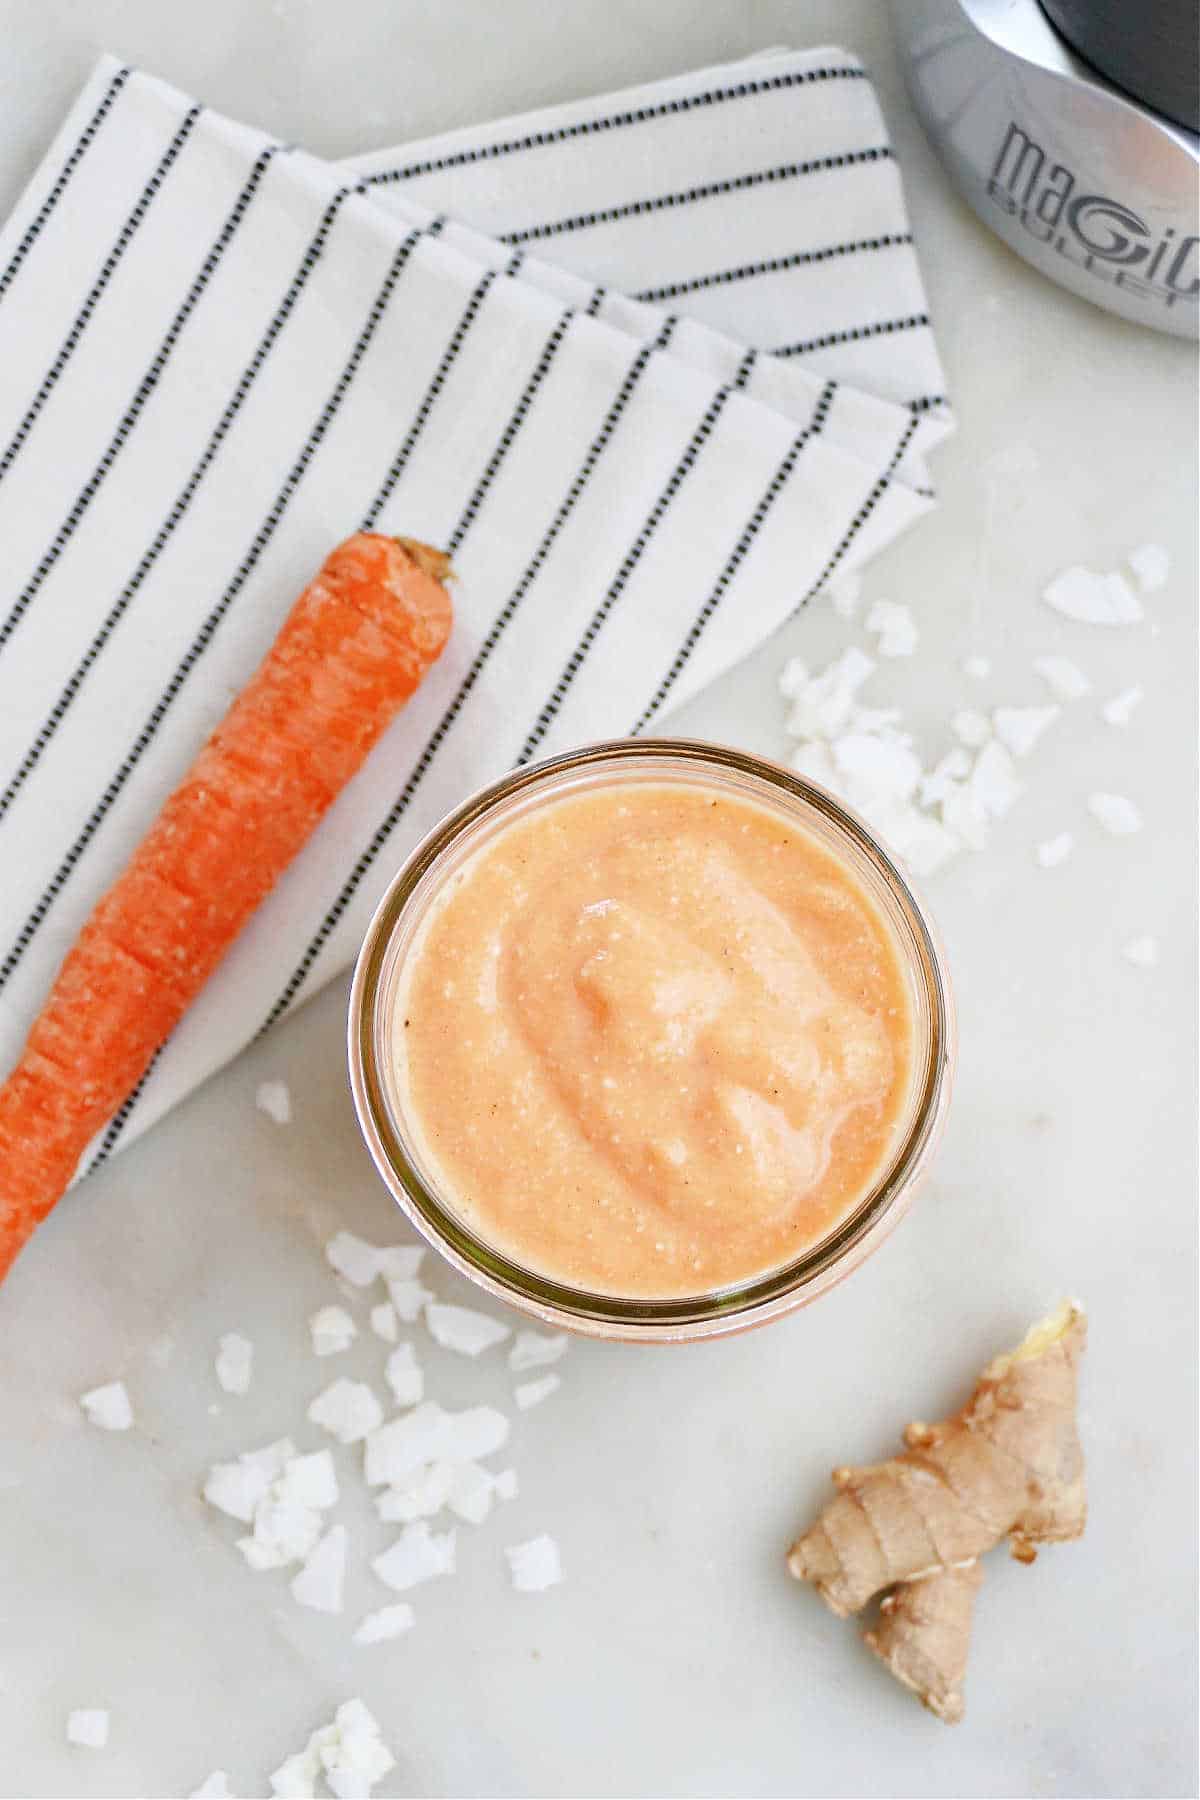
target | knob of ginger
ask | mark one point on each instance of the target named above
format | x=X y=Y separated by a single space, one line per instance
x=1009 y=1465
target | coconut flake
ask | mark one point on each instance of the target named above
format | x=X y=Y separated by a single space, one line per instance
x=108 y=1407
x=348 y=1410
x=822 y=707
x=234 y=1362
x=1064 y=678
x=1092 y=599
x=274 y=1099
x=534 y=1565
x=993 y=783
x=1142 y=952
x=352 y=1258
x=1115 y=813
x=213 y=1787
x=88 y=1727
x=460 y=1328
x=505 y=1484
x=954 y=766
x=332 y=1331
x=1121 y=708
x=876 y=769
x=384 y=1323
x=404 y=1376
x=285 y=1531
x=536 y=1350
x=919 y=840
x=894 y=626
x=409 y=1298
x=400 y=1262
x=388 y=1622
x=1151 y=565
x=794 y=677
x=813 y=761
x=477 y=1432
x=419 y=1496
x=1019 y=727
x=1055 y=850
x=356 y=1757
x=272 y=1459
x=971 y=727
x=428 y=1434
x=532 y=1393
x=321 y=1583
x=470 y=1491
x=417 y=1555
x=310 y=1480
x=235 y=1489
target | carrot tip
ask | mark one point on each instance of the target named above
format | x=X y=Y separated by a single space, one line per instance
x=431 y=562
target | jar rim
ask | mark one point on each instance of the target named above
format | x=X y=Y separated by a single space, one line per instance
x=731 y=1309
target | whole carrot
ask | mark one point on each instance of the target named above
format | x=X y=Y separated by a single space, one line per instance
x=353 y=649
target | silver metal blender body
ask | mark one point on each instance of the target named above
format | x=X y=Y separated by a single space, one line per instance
x=1084 y=182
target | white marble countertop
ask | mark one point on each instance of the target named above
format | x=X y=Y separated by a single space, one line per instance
x=676 y=1658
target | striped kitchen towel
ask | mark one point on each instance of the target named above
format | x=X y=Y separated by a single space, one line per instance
x=651 y=367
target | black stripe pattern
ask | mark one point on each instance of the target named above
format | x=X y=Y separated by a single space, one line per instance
x=709 y=190
x=620 y=121
x=200 y=643
x=775 y=265
x=87 y=137
x=133 y=411
x=108 y=269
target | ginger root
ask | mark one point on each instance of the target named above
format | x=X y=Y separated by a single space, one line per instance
x=1009 y=1465
x=923 y=1635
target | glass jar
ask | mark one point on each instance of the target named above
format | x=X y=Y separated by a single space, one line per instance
x=393 y=1146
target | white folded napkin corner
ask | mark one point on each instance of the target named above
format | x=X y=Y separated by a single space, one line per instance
x=652 y=367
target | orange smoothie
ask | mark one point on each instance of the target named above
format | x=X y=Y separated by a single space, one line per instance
x=654 y=1040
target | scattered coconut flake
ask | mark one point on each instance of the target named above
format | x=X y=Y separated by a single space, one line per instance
x=845 y=591
x=419 y=1496
x=310 y=1480
x=409 y=1298
x=1151 y=565
x=793 y=678
x=404 y=1376
x=894 y=626
x=822 y=707
x=285 y=1531
x=108 y=1407
x=470 y=1491
x=274 y=1099
x=348 y=1410
x=813 y=761
x=1055 y=850
x=332 y=1330
x=532 y=1393
x=1092 y=599
x=429 y=1434
x=213 y=1787
x=272 y=1459
x=919 y=840
x=352 y=1258
x=1019 y=727
x=462 y=1329
x=536 y=1350
x=389 y=1622
x=1121 y=708
x=357 y=1757
x=1115 y=813
x=993 y=783
x=321 y=1583
x=875 y=768
x=234 y=1362
x=1063 y=677
x=417 y=1555
x=535 y=1565
x=400 y=1262
x=1142 y=952
x=235 y=1489
x=88 y=1726
x=954 y=766
x=505 y=1484
x=977 y=667
x=349 y=1752
x=384 y=1323
x=972 y=727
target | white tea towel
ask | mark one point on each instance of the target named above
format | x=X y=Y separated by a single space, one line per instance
x=219 y=356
